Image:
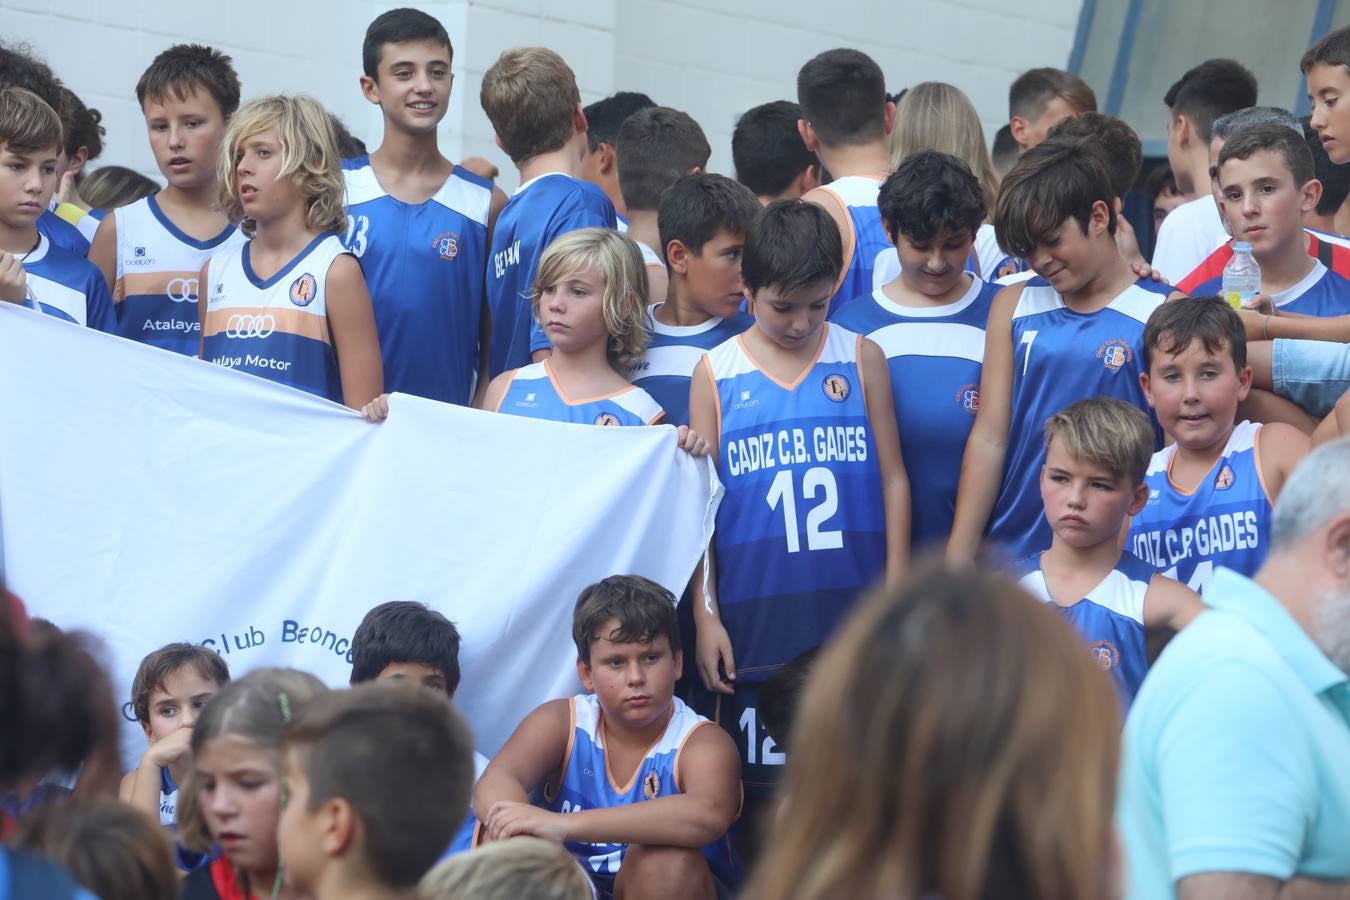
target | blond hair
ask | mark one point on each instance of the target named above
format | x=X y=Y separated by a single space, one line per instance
x=1110 y=433
x=618 y=261
x=27 y=123
x=309 y=157
x=955 y=737
x=523 y=867
x=530 y=96
x=937 y=116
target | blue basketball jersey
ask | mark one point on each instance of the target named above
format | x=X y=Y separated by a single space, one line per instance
x=1224 y=521
x=540 y=210
x=185 y=859
x=1110 y=619
x=672 y=355
x=587 y=783
x=62 y=234
x=1061 y=356
x=424 y=267
x=801 y=529
x=1321 y=292
x=863 y=240
x=68 y=286
x=535 y=394
x=935 y=355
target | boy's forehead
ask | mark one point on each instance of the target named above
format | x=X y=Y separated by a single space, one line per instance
x=1058 y=456
x=1216 y=349
x=819 y=289
x=1264 y=164
x=417 y=50
x=43 y=154
x=1326 y=74
x=181 y=98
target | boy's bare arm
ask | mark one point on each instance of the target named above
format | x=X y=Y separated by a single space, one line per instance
x=1170 y=603
x=103 y=249
x=714 y=645
x=1280 y=447
x=534 y=751
x=894 y=478
x=1294 y=326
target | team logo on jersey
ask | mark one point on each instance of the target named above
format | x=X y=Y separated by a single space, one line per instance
x=1154 y=496
x=181 y=290
x=651 y=786
x=968 y=398
x=608 y=419
x=1224 y=480
x=303 y=290
x=446 y=245
x=1106 y=654
x=745 y=402
x=1115 y=353
x=140 y=251
x=836 y=387
x=242 y=326
x=139 y=258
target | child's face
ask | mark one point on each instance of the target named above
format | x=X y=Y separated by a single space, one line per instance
x=1070 y=257
x=1195 y=393
x=263 y=193
x=185 y=137
x=792 y=319
x=713 y=275
x=935 y=267
x=1328 y=87
x=571 y=312
x=298 y=837
x=1084 y=503
x=1260 y=202
x=178 y=702
x=240 y=794
x=634 y=682
x=416 y=672
x=27 y=182
x=412 y=84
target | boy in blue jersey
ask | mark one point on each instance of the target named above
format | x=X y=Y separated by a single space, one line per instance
x=33 y=271
x=1093 y=479
x=769 y=155
x=929 y=321
x=846 y=121
x=633 y=782
x=703 y=221
x=418 y=222
x=530 y=95
x=1211 y=492
x=656 y=147
x=1074 y=331
x=600 y=165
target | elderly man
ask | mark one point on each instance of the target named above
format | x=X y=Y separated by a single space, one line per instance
x=1235 y=781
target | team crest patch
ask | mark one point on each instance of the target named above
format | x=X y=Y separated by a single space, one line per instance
x=1115 y=353
x=140 y=251
x=651 y=786
x=1224 y=480
x=1105 y=654
x=608 y=419
x=836 y=387
x=446 y=245
x=303 y=290
x=968 y=398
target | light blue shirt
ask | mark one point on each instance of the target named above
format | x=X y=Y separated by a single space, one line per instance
x=1237 y=751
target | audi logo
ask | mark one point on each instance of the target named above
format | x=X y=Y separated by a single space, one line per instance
x=250 y=326
x=182 y=290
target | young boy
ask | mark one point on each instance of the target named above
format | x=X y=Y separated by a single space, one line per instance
x=418 y=222
x=769 y=155
x=656 y=147
x=1040 y=98
x=803 y=433
x=703 y=221
x=930 y=321
x=1095 y=457
x=33 y=271
x=600 y=165
x=377 y=778
x=1212 y=489
x=1118 y=147
x=635 y=785
x=530 y=95
x=171 y=687
x=152 y=251
x=1326 y=66
x=846 y=121
x=1073 y=332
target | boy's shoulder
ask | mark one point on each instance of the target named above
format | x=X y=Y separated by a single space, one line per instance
x=463 y=192
x=62 y=234
x=61 y=264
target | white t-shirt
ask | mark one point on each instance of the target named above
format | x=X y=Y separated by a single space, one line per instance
x=1189 y=234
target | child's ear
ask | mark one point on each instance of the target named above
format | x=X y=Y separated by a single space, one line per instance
x=679 y=663
x=1311 y=194
x=339 y=826
x=1139 y=499
x=1101 y=215
x=1244 y=382
x=584 y=673
x=579 y=119
x=886 y=227
x=809 y=180
x=609 y=160
x=808 y=135
x=677 y=257
x=890 y=117
x=370 y=90
x=1018 y=126
x=1144 y=386
x=149 y=735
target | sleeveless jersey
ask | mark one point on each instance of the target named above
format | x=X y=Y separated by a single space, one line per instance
x=1224 y=521
x=276 y=328
x=423 y=264
x=801 y=529
x=155 y=292
x=68 y=286
x=534 y=394
x=1110 y=619
x=935 y=356
x=540 y=210
x=1060 y=356
x=586 y=783
x=864 y=238
x=1321 y=292
x=62 y=234
x=672 y=355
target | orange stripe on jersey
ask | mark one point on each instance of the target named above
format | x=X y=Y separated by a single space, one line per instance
x=850 y=240
x=176 y=284
x=262 y=322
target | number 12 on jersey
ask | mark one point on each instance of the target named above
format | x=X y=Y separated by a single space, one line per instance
x=817 y=481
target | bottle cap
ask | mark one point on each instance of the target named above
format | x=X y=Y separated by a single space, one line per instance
x=1241 y=247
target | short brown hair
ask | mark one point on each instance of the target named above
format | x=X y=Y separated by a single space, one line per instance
x=27 y=123
x=1332 y=50
x=402 y=757
x=114 y=850
x=530 y=96
x=184 y=68
x=1033 y=90
x=1051 y=183
x=843 y=96
x=656 y=147
x=523 y=867
x=1109 y=432
x=160 y=664
x=1172 y=327
x=645 y=611
x=1112 y=139
x=1287 y=142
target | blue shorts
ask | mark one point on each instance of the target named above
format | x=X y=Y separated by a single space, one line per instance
x=1312 y=374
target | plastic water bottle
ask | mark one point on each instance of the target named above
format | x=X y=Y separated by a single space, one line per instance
x=1241 y=277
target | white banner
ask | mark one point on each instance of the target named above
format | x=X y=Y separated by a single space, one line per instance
x=149 y=498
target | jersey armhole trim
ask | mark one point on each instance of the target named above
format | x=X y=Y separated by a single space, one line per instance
x=679 y=751
x=498 y=408
x=862 y=373
x=706 y=365
x=850 y=240
x=657 y=419
x=1260 y=472
x=550 y=796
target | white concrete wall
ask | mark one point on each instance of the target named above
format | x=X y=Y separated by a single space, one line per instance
x=712 y=59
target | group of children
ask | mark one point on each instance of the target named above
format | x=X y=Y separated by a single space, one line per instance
x=826 y=327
